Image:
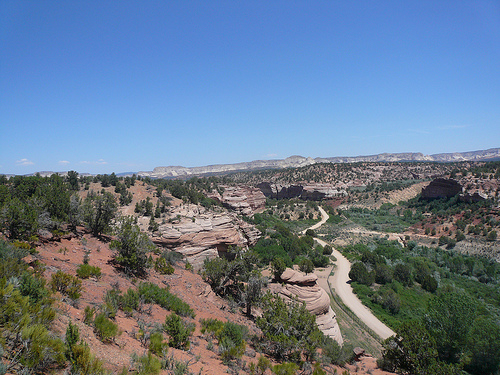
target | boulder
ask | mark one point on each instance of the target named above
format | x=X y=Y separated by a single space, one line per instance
x=442 y=188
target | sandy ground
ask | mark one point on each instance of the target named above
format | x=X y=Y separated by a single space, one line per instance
x=340 y=283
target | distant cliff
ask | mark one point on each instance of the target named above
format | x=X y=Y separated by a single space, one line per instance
x=300 y=161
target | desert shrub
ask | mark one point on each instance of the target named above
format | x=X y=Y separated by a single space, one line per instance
x=332 y=352
x=40 y=348
x=129 y=301
x=285 y=368
x=146 y=365
x=232 y=341
x=105 y=328
x=84 y=362
x=157 y=345
x=289 y=329
x=33 y=287
x=81 y=359
x=112 y=300
x=278 y=266
x=88 y=315
x=85 y=270
x=161 y=266
x=152 y=293
x=231 y=337
x=178 y=330
x=66 y=284
x=172 y=257
x=132 y=247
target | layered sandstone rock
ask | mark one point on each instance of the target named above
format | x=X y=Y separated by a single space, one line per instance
x=314 y=192
x=442 y=188
x=206 y=236
x=304 y=288
x=245 y=200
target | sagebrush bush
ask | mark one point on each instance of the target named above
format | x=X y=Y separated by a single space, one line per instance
x=88 y=315
x=85 y=270
x=105 y=328
x=231 y=337
x=161 y=266
x=179 y=331
x=157 y=345
x=152 y=293
x=146 y=365
x=66 y=284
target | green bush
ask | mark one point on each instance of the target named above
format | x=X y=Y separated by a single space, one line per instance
x=81 y=359
x=84 y=271
x=231 y=337
x=132 y=247
x=152 y=293
x=146 y=365
x=105 y=328
x=66 y=284
x=332 y=352
x=157 y=345
x=161 y=266
x=88 y=315
x=178 y=331
x=286 y=368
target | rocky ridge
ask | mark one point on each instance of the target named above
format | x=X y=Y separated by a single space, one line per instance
x=300 y=161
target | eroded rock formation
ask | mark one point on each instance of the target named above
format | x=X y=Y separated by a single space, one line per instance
x=304 y=288
x=245 y=200
x=442 y=188
x=206 y=236
x=315 y=192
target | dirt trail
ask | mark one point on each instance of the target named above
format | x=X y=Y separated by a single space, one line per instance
x=340 y=283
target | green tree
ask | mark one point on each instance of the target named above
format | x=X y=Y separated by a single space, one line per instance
x=98 y=212
x=132 y=248
x=402 y=273
x=483 y=347
x=306 y=265
x=72 y=179
x=449 y=317
x=278 y=266
x=360 y=274
x=178 y=330
x=289 y=329
x=413 y=351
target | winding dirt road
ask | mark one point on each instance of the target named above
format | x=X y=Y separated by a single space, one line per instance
x=340 y=283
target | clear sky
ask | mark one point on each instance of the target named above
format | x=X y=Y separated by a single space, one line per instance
x=115 y=86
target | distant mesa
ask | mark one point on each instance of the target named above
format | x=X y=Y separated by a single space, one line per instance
x=300 y=161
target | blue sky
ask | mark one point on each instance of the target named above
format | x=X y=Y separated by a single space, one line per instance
x=114 y=86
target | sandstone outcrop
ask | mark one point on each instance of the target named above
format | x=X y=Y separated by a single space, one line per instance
x=473 y=197
x=315 y=192
x=245 y=200
x=206 y=236
x=304 y=288
x=442 y=188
